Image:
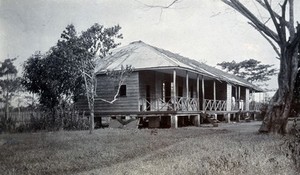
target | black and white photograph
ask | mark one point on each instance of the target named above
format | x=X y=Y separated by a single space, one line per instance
x=154 y=87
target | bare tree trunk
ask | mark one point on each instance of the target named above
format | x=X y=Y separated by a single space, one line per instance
x=89 y=81
x=62 y=113
x=92 y=123
x=6 y=113
x=278 y=111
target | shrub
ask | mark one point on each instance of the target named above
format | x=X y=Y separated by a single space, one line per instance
x=72 y=121
x=293 y=143
x=47 y=121
x=263 y=111
x=7 y=125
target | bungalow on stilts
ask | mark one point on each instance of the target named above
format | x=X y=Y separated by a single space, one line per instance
x=168 y=90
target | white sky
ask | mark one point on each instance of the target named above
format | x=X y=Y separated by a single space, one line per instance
x=205 y=30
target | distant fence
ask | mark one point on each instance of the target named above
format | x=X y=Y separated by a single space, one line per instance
x=23 y=117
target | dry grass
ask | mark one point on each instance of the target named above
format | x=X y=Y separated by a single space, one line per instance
x=229 y=149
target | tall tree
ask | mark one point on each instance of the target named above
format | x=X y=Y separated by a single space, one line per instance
x=287 y=37
x=9 y=83
x=252 y=70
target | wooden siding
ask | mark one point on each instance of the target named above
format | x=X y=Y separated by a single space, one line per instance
x=107 y=88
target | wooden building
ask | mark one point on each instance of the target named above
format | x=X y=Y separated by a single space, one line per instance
x=167 y=88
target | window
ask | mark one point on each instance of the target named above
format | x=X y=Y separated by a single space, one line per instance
x=122 y=92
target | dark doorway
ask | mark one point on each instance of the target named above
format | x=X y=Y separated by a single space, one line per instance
x=167 y=91
x=180 y=91
x=148 y=98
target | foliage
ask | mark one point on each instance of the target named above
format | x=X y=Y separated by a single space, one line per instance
x=38 y=78
x=7 y=124
x=9 y=82
x=292 y=142
x=54 y=75
x=68 y=69
x=57 y=75
x=9 y=85
x=251 y=70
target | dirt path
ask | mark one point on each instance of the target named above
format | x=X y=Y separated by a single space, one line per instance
x=248 y=127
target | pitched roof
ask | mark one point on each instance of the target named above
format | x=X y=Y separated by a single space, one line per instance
x=143 y=56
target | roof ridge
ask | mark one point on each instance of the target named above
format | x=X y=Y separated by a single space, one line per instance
x=167 y=58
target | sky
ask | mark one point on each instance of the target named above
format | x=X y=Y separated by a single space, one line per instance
x=204 y=30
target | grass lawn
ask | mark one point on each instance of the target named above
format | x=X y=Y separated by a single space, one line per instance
x=228 y=149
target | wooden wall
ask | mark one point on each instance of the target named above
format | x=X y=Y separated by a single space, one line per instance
x=107 y=88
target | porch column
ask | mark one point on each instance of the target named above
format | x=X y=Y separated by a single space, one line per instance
x=187 y=90
x=174 y=121
x=247 y=100
x=228 y=97
x=228 y=102
x=174 y=89
x=198 y=93
x=239 y=98
x=158 y=89
x=239 y=93
x=197 y=120
x=253 y=100
x=187 y=84
x=215 y=95
x=203 y=92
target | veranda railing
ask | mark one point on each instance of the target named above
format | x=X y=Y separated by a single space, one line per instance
x=214 y=105
x=169 y=104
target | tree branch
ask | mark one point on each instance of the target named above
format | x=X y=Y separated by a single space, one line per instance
x=122 y=78
x=235 y=4
x=283 y=21
x=274 y=19
x=268 y=39
x=162 y=7
x=290 y=25
x=85 y=74
x=264 y=6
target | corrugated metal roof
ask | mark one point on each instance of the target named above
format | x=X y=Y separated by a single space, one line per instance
x=143 y=56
